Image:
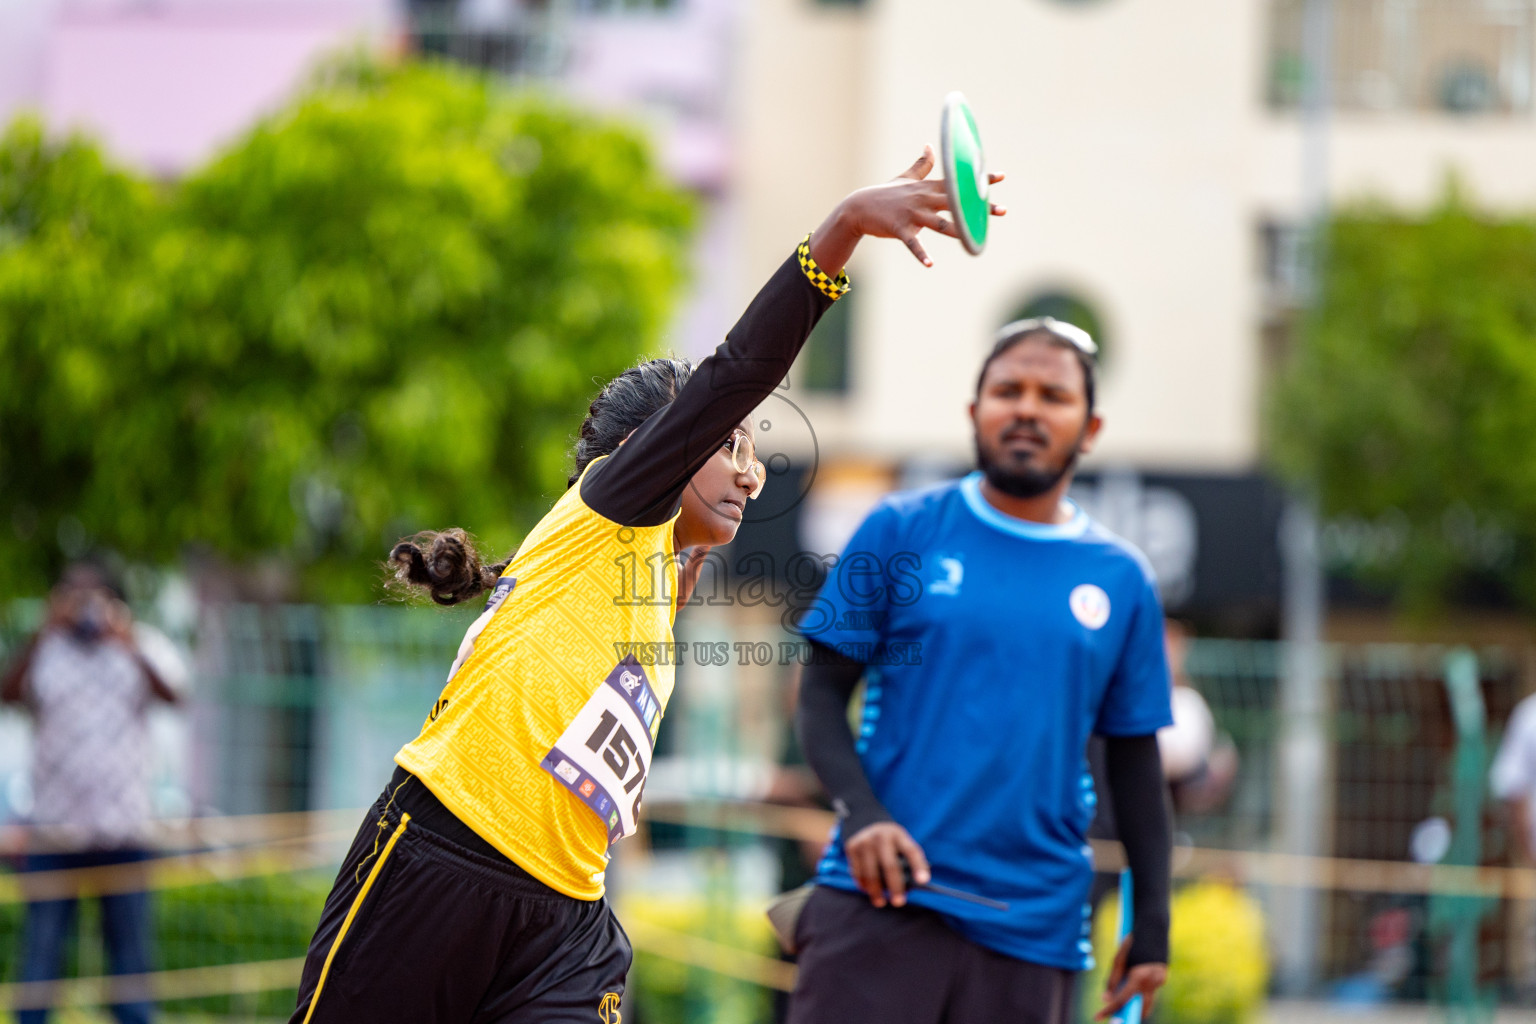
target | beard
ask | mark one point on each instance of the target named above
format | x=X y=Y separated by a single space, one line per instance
x=1025 y=482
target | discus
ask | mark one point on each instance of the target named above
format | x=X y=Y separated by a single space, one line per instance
x=1130 y=1013
x=965 y=173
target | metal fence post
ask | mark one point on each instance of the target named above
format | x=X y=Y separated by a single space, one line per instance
x=1302 y=782
x=1460 y=916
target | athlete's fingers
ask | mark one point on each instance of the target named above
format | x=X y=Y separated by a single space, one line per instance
x=999 y=210
x=916 y=858
x=994 y=178
x=935 y=193
x=943 y=225
x=890 y=867
x=918 y=250
x=920 y=168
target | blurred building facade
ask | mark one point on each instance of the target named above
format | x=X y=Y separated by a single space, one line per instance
x=164 y=84
x=1161 y=169
x=1160 y=174
x=1155 y=167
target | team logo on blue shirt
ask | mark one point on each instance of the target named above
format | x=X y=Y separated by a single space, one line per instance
x=949 y=584
x=1090 y=605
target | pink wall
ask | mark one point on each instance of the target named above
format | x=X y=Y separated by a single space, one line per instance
x=164 y=85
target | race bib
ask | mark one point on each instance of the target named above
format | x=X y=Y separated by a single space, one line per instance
x=604 y=754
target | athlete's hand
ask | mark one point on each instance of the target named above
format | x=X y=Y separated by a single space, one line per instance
x=874 y=858
x=1122 y=986
x=899 y=208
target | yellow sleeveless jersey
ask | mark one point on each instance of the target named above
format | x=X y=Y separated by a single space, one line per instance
x=580 y=593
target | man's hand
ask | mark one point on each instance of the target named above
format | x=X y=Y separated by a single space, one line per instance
x=899 y=208
x=61 y=610
x=119 y=624
x=1121 y=986
x=874 y=857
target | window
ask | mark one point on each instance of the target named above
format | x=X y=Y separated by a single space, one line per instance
x=626 y=6
x=824 y=362
x=518 y=38
x=1283 y=269
x=1457 y=56
x=502 y=37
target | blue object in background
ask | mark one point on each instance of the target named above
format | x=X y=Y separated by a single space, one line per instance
x=1131 y=1014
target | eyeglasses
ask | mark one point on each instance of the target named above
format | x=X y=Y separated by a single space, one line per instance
x=744 y=460
x=1070 y=333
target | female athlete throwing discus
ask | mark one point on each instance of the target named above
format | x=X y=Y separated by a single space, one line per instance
x=473 y=892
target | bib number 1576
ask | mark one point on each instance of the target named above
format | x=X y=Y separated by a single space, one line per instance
x=618 y=750
x=605 y=752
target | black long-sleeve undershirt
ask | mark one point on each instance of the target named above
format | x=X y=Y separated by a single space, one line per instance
x=1137 y=792
x=642 y=482
x=1139 y=795
x=821 y=723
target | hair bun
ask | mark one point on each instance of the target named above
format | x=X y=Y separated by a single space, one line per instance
x=444 y=564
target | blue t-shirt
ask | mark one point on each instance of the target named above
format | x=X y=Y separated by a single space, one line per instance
x=995 y=646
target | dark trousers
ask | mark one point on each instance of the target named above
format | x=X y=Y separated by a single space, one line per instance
x=904 y=965
x=420 y=929
x=124 y=926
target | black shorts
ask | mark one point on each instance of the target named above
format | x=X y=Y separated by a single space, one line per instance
x=904 y=965
x=420 y=929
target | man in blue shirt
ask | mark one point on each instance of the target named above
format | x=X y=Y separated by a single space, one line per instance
x=995 y=627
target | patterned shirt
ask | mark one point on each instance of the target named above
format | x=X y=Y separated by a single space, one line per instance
x=90 y=758
x=1513 y=775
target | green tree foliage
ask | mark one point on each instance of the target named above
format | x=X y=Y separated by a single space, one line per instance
x=1410 y=398
x=70 y=320
x=384 y=309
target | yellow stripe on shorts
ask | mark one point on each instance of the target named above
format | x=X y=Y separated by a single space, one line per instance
x=352 y=912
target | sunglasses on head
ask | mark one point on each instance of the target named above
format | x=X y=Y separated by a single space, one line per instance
x=744 y=460
x=1069 y=333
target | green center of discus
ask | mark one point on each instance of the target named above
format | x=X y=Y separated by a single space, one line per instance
x=970 y=177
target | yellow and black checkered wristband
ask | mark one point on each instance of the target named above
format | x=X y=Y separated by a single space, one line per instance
x=828 y=287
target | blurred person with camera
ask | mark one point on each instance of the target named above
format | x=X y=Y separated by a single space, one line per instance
x=87 y=685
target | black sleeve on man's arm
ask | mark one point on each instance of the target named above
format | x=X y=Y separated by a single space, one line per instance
x=1140 y=799
x=642 y=482
x=821 y=720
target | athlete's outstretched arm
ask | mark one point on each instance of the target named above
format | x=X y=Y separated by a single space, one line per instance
x=874 y=843
x=642 y=482
x=1139 y=796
